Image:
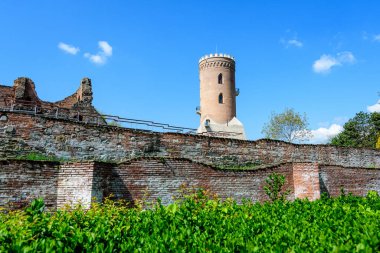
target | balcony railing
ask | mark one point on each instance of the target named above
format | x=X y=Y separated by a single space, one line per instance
x=198 y=110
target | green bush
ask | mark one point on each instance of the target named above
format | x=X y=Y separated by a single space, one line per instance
x=198 y=222
x=274 y=187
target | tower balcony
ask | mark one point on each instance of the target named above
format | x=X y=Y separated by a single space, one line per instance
x=198 y=110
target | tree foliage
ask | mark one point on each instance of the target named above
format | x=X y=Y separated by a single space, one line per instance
x=288 y=126
x=360 y=131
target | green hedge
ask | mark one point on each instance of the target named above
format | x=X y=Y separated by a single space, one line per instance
x=198 y=223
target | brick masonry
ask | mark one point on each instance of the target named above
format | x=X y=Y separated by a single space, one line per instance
x=358 y=181
x=22 y=133
x=22 y=181
x=152 y=178
x=151 y=162
x=306 y=181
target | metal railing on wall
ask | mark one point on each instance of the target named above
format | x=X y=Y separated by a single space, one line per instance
x=84 y=115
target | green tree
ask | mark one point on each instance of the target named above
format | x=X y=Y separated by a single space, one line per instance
x=288 y=126
x=360 y=131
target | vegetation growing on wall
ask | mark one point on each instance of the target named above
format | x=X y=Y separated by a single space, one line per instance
x=274 y=187
x=34 y=156
x=199 y=223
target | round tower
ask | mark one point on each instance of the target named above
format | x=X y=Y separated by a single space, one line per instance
x=218 y=97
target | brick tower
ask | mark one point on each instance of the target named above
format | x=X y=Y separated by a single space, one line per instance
x=218 y=97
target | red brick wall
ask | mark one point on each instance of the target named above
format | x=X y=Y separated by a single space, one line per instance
x=23 y=181
x=6 y=94
x=152 y=178
x=358 y=181
x=159 y=178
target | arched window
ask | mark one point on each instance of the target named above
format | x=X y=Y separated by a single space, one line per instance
x=220 y=78
x=220 y=98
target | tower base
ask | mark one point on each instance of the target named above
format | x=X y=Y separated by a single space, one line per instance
x=233 y=129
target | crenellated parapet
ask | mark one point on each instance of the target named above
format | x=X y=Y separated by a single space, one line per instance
x=217 y=61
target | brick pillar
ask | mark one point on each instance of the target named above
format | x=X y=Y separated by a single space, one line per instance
x=75 y=184
x=306 y=180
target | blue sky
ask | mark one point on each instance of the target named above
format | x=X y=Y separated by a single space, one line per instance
x=318 y=57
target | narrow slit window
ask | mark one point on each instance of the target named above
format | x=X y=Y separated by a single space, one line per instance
x=220 y=78
x=220 y=98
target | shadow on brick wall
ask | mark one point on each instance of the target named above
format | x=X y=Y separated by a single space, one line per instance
x=107 y=183
x=322 y=186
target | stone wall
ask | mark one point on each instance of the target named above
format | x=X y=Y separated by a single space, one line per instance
x=23 y=133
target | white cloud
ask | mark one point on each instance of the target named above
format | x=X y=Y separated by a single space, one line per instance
x=95 y=58
x=101 y=56
x=291 y=43
x=376 y=38
x=346 y=57
x=324 y=134
x=105 y=47
x=295 y=43
x=374 y=108
x=68 y=48
x=324 y=64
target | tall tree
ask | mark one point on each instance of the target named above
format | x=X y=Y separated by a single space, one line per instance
x=360 y=131
x=288 y=126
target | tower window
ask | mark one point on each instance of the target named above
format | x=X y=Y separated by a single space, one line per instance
x=220 y=78
x=220 y=98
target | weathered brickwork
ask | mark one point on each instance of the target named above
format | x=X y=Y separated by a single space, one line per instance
x=22 y=181
x=306 y=180
x=153 y=178
x=22 y=133
x=23 y=96
x=358 y=181
x=77 y=184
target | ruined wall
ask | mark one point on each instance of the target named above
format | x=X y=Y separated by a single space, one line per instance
x=23 y=96
x=5 y=93
x=67 y=139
